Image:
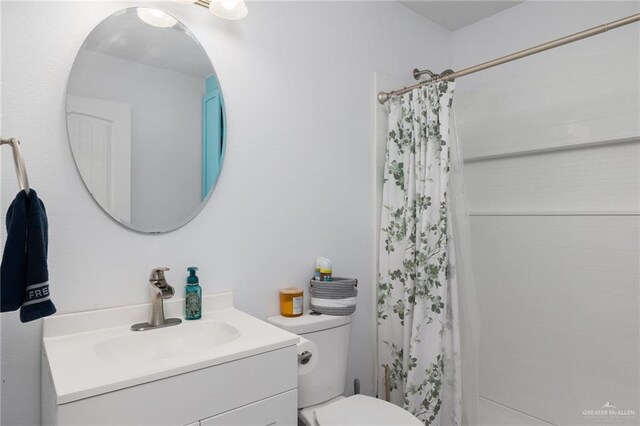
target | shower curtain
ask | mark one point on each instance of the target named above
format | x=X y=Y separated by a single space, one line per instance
x=426 y=317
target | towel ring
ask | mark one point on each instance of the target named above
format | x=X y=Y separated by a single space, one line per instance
x=18 y=160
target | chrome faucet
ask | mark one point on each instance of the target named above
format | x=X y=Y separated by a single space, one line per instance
x=160 y=290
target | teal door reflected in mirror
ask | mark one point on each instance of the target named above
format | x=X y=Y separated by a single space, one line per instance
x=213 y=135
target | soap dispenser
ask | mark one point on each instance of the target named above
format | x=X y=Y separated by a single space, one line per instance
x=193 y=296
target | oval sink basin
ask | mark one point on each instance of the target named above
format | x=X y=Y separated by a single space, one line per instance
x=184 y=339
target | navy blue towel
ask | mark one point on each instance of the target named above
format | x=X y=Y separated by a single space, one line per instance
x=13 y=272
x=24 y=273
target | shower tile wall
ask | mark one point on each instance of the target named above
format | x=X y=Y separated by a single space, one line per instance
x=558 y=302
x=556 y=234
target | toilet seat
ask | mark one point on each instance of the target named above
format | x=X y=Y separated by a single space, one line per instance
x=361 y=410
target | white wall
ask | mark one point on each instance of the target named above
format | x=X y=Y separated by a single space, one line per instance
x=298 y=174
x=556 y=234
x=166 y=133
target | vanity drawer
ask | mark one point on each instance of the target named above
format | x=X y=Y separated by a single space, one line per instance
x=279 y=410
x=188 y=397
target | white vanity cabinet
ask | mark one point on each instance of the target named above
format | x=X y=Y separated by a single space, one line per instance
x=249 y=381
x=258 y=391
x=271 y=411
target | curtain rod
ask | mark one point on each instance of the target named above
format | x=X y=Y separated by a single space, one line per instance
x=448 y=75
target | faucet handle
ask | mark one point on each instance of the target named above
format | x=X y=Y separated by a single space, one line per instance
x=157 y=274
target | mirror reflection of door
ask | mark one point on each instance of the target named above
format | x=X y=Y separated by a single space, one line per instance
x=212 y=135
x=94 y=126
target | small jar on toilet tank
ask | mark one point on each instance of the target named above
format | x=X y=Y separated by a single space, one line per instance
x=291 y=301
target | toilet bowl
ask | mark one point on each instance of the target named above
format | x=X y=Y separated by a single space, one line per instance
x=320 y=399
x=357 y=410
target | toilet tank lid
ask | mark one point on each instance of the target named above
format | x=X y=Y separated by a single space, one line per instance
x=309 y=322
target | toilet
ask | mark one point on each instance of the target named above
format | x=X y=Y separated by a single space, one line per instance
x=320 y=399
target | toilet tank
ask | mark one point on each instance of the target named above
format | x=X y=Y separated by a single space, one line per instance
x=330 y=334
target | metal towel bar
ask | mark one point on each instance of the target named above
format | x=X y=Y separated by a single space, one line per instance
x=18 y=160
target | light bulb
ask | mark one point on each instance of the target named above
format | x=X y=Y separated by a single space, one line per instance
x=155 y=17
x=229 y=4
x=228 y=9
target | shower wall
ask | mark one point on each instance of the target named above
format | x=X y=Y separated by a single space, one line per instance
x=552 y=153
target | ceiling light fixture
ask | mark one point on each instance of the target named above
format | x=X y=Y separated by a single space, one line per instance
x=225 y=9
x=228 y=9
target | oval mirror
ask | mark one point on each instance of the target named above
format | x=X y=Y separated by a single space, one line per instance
x=146 y=120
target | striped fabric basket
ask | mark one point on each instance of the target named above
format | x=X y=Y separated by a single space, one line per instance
x=337 y=297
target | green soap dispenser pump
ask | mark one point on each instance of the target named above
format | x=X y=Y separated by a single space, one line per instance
x=193 y=296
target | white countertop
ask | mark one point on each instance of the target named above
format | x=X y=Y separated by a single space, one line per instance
x=79 y=371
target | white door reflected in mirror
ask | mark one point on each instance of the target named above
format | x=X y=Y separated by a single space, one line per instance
x=94 y=125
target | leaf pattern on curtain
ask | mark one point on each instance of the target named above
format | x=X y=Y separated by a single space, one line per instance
x=416 y=340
